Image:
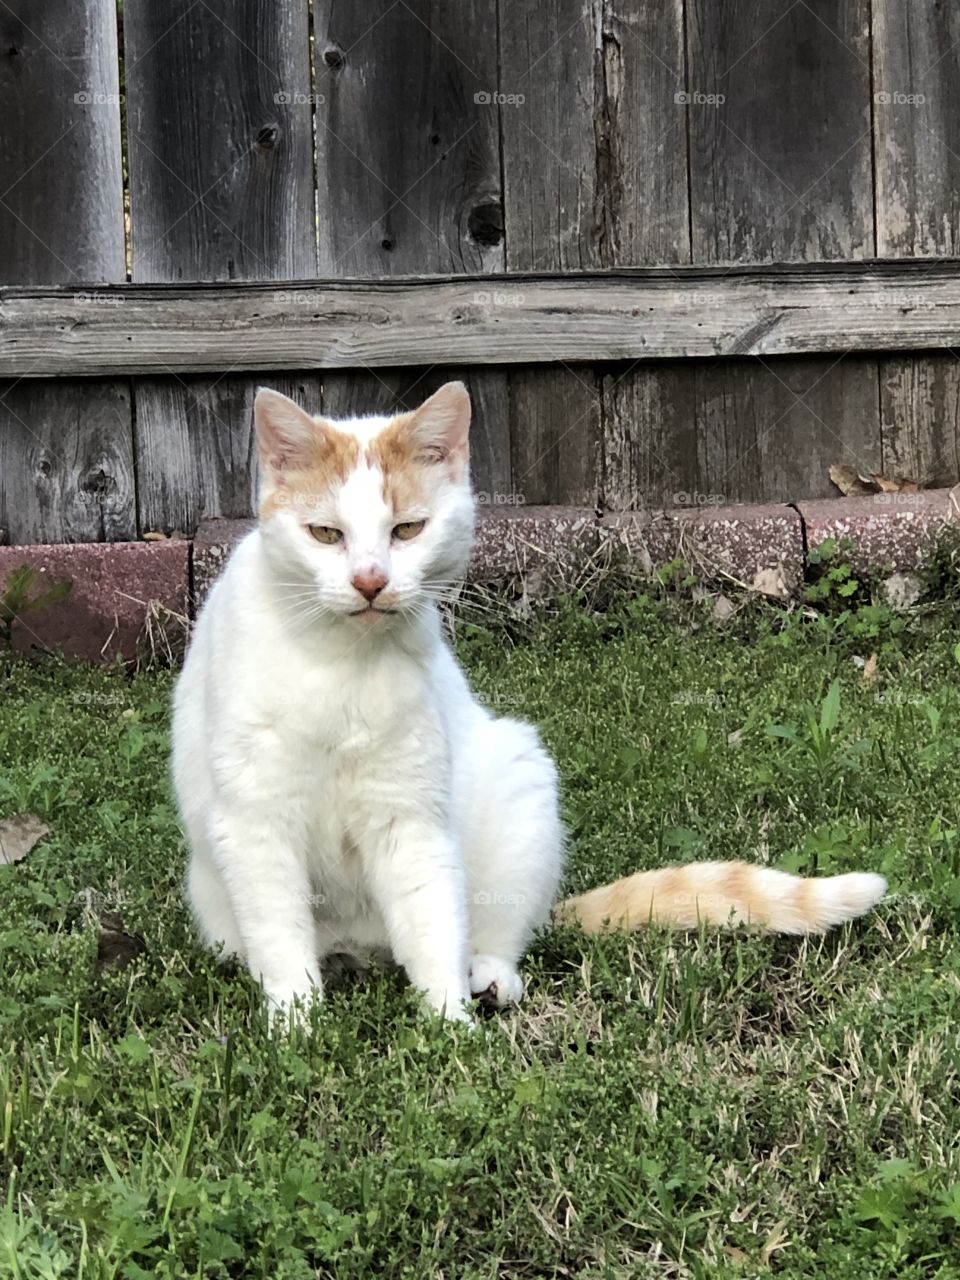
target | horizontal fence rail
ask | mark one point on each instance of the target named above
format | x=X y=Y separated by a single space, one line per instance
x=646 y=314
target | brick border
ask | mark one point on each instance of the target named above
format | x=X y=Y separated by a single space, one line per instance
x=119 y=588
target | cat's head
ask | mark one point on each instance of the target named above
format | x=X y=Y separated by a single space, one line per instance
x=367 y=518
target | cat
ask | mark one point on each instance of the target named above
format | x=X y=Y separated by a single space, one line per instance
x=341 y=788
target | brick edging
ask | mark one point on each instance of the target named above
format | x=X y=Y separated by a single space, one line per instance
x=118 y=588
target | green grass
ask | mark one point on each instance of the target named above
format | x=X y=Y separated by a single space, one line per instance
x=661 y=1105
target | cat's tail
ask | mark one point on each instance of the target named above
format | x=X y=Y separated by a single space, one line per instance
x=724 y=893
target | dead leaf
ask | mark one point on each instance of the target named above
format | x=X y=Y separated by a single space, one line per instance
x=18 y=836
x=848 y=481
x=115 y=947
x=869 y=673
x=853 y=483
x=154 y=535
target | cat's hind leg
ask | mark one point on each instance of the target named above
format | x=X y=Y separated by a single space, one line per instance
x=207 y=896
x=513 y=848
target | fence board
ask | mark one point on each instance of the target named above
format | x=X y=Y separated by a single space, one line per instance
x=408 y=162
x=66 y=459
x=653 y=314
x=221 y=188
x=769 y=431
x=556 y=422
x=65 y=448
x=649 y=437
x=780 y=170
x=917 y=127
x=595 y=154
x=221 y=173
x=920 y=414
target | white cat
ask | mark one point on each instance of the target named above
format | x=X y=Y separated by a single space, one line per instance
x=341 y=787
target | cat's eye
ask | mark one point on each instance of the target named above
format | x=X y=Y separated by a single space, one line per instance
x=408 y=530
x=326 y=534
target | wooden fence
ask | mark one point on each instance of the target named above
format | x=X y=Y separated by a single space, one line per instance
x=703 y=243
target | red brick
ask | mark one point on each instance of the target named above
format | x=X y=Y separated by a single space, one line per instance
x=888 y=530
x=115 y=584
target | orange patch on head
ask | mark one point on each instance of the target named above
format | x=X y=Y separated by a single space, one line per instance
x=415 y=450
x=322 y=465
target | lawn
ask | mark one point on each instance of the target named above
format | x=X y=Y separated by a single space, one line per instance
x=719 y=1104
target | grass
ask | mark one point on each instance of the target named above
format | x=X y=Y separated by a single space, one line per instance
x=662 y=1105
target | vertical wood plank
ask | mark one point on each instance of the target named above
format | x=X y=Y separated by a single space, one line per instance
x=920 y=408
x=219 y=120
x=386 y=391
x=556 y=423
x=220 y=140
x=594 y=143
x=917 y=128
x=66 y=472
x=66 y=462
x=780 y=169
x=650 y=437
x=768 y=431
x=61 y=189
x=595 y=175
x=408 y=154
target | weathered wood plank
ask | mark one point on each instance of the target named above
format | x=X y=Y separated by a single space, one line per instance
x=555 y=433
x=66 y=462
x=408 y=159
x=221 y=188
x=66 y=469
x=920 y=415
x=651 y=314
x=347 y=395
x=917 y=127
x=769 y=431
x=649 y=437
x=594 y=144
x=61 y=207
x=196 y=458
x=219 y=124
x=779 y=115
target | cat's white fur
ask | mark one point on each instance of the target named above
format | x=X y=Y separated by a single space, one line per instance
x=341 y=787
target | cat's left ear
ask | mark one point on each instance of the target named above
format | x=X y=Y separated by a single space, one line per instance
x=440 y=428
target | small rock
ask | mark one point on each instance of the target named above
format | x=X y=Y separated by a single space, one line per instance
x=723 y=609
x=901 y=591
x=777 y=583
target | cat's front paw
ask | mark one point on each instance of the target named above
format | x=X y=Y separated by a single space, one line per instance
x=288 y=1009
x=496 y=982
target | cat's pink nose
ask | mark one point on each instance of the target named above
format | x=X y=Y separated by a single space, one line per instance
x=369 y=584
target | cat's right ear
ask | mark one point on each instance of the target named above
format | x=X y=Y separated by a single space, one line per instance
x=286 y=434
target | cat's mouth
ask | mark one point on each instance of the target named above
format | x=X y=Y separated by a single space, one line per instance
x=369 y=612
